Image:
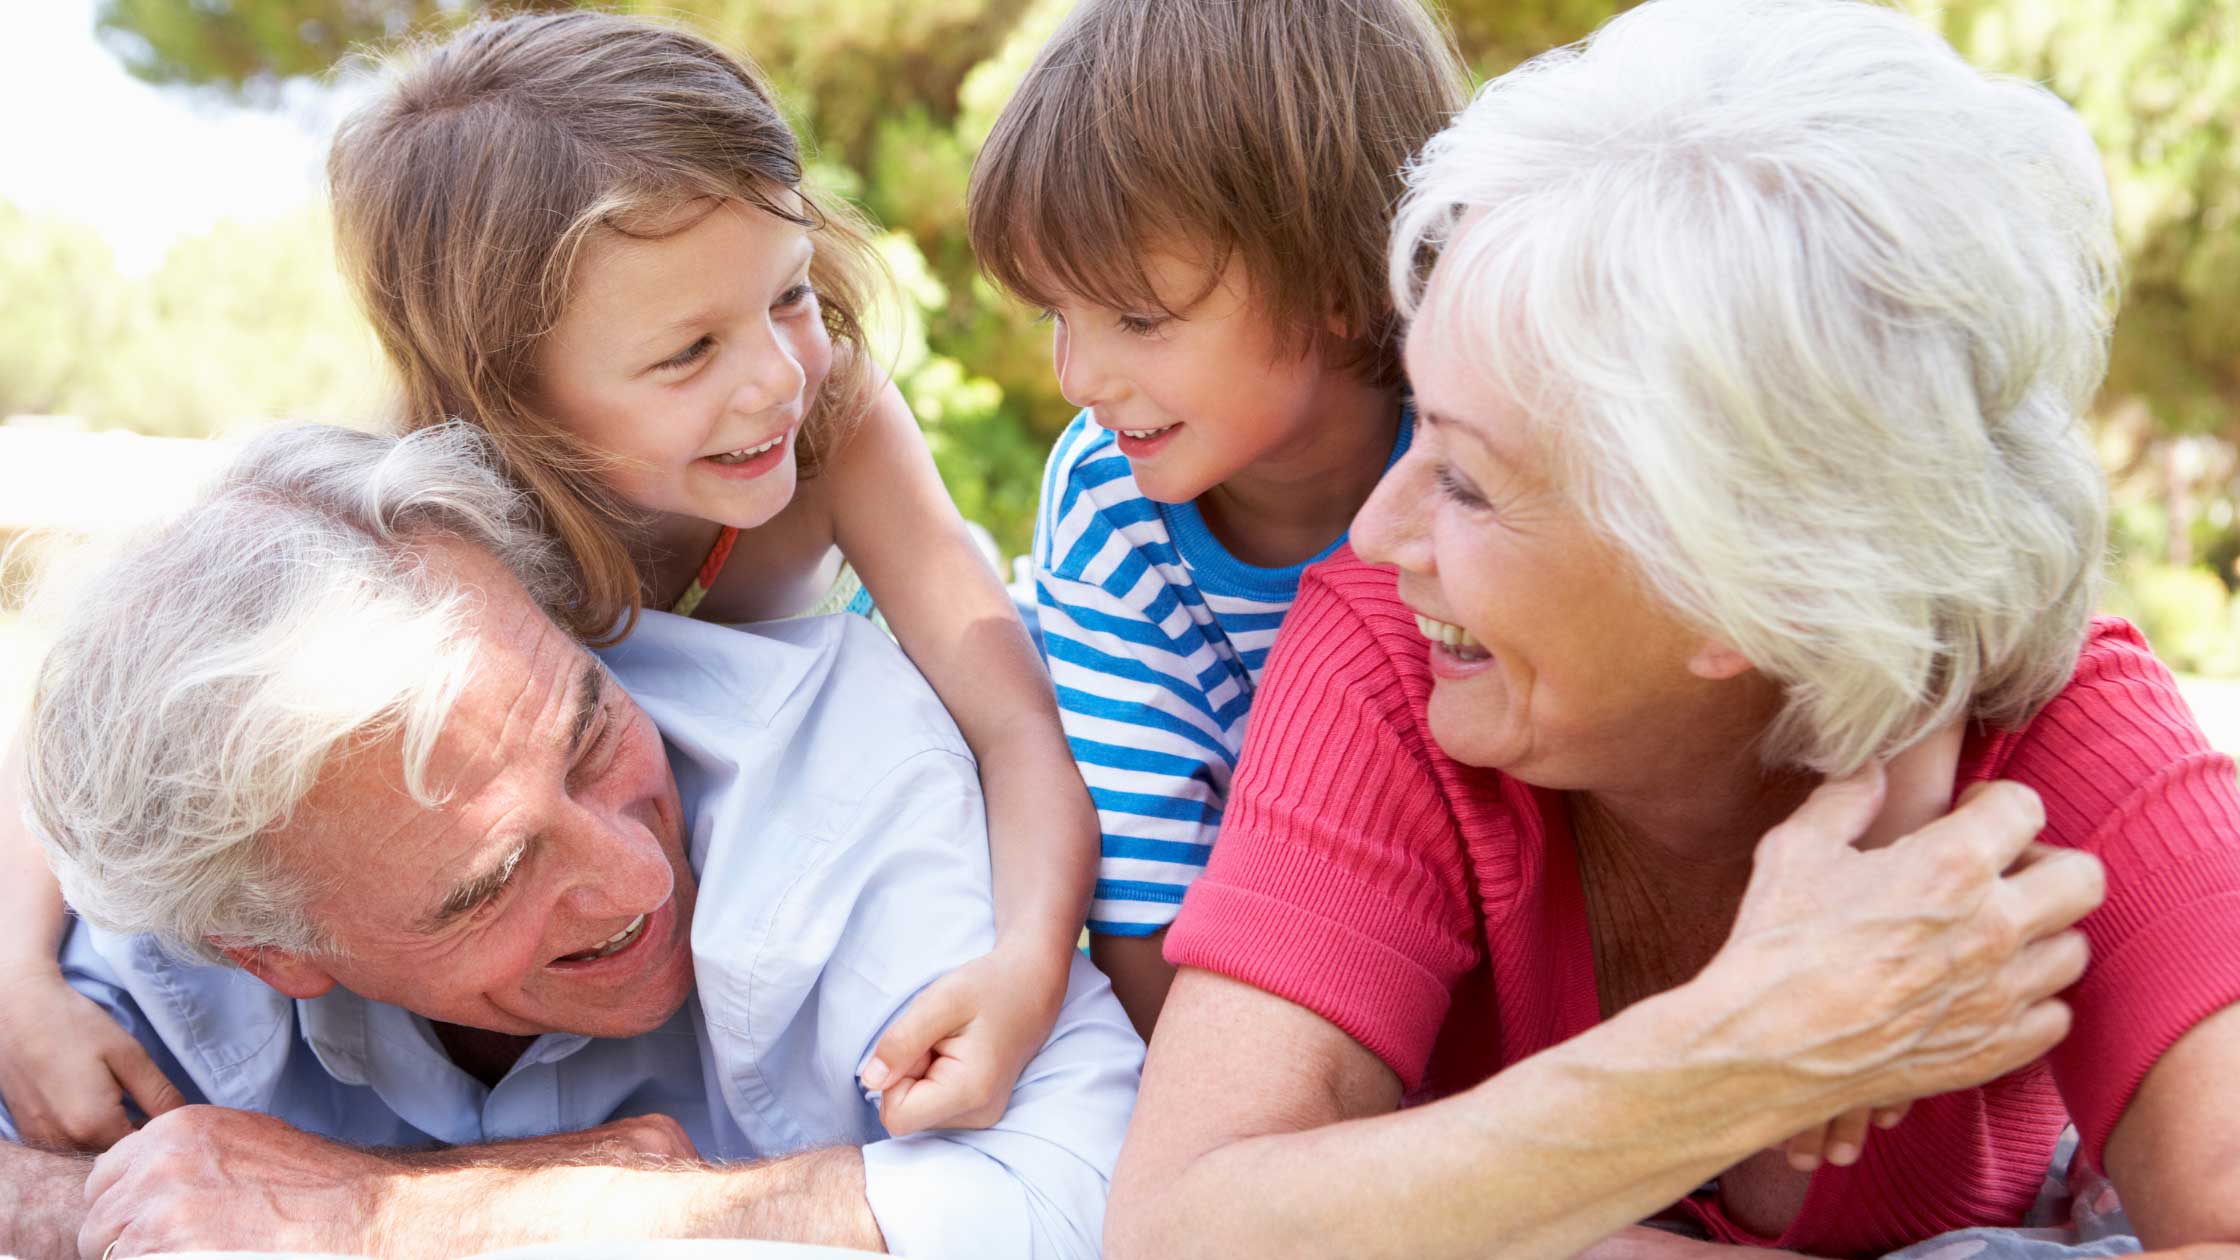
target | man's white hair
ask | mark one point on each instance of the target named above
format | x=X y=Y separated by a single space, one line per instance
x=1806 y=312
x=199 y=685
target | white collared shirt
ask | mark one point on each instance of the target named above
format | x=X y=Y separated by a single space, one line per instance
x=835 y=819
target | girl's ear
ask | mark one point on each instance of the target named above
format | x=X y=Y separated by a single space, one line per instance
x=290 y=973
x=1716 y=662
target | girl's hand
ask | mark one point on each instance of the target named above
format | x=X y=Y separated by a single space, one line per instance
x=950 y=1060
x=66 y=1067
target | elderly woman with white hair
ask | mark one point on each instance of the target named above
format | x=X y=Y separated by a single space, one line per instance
x=1751 y=339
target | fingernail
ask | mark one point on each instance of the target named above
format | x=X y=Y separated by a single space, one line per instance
x=874 y=1074
x=1842 y=1154
x=1887 y=1119
x=1803 y=1161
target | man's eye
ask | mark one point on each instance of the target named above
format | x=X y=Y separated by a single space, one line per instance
x=687 y=356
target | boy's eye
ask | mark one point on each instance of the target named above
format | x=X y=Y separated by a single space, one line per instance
x=1455 y=488
x=688 y=355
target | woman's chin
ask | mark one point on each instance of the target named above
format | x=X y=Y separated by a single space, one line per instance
x=1469 y=719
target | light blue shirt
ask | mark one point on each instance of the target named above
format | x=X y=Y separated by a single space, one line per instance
x=835 y=821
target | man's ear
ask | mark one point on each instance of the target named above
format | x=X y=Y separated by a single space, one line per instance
x=1716 y=662
x=293 y=974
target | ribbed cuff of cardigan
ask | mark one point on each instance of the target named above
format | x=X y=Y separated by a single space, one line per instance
x=1378 y=995
x=2140 y=1005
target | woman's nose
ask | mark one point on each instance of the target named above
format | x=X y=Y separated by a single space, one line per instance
x=1390 y=527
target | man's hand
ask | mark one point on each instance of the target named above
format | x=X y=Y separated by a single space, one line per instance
x=66 y=1067
x=216 y=1179
x=950 y=1060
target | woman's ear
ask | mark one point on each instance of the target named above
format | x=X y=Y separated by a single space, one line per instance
x=1716 y=662
x=291 y=973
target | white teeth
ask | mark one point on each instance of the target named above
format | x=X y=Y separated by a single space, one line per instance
x=1146 y=433
x=611 y=945
x=748 y=452
x=1457 y=640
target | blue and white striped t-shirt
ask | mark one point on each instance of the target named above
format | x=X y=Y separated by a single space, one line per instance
x=1155 y=636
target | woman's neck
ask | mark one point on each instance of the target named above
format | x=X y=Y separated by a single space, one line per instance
x=1292 y=504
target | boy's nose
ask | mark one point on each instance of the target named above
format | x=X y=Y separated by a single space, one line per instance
x=1077 y=377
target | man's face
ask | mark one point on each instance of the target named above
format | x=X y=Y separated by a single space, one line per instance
x=549 y=892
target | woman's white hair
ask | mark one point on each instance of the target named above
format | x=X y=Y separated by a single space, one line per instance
x=198 y=685
x=1806 y=311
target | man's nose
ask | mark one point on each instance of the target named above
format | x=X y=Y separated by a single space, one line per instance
x=621 y=869
x=1391 y=528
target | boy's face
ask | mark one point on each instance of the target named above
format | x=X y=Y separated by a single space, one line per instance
x=1198 y=398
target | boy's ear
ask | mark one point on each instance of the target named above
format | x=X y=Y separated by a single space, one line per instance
x=1715 y=661
x=291 y=973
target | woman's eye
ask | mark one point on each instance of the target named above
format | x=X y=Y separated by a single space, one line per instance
x=689 y=355
x=1455 y=488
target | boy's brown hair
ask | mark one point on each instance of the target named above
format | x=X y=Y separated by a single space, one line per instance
x=1272 y=131
x=463 y=200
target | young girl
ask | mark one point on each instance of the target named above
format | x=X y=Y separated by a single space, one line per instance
x=590 y=236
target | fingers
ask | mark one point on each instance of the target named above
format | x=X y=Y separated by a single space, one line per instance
x=2051 y=888
x=1891 y=1117
x=936 y=1013
x=1804 y=1150
x=1919 y=786
x=1837 y=812
x=947 y=1097
x=142 y=1079
x=1847 y=1137
x=2047 y=967
x=1994 y=821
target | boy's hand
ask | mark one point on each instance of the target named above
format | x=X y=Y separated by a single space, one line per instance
x=950 y=1060
x=66 y=1067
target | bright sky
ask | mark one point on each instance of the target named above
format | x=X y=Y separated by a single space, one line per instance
x=81 y=139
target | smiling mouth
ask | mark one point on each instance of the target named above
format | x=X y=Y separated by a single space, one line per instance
x=745 y=453
x=1452 y=637
x=612 y=945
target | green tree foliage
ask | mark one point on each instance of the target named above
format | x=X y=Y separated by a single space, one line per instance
x=247 y=322
x=898 y=94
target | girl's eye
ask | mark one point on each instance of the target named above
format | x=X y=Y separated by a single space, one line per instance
x=1046 y=316
x=1455 y=488
x=797 y=295
x=687 y=356
x=1140 y=325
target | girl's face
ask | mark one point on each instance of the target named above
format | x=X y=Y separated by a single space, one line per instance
x=690 y=358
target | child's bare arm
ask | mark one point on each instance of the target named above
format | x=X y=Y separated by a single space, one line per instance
x=949 y=611
x=65 y=1066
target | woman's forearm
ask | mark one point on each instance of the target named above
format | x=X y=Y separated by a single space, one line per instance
x=1541 y=1160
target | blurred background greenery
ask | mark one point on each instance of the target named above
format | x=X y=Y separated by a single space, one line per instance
x=247 y=322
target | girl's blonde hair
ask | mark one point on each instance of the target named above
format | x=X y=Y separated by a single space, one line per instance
x=463 y=200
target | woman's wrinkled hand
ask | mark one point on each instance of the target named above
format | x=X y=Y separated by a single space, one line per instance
x=66 y=1067
x=949 y=1061
x=1868 y=979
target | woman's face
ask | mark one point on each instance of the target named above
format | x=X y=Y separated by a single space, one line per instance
x=1550 y=660
x=691 y=357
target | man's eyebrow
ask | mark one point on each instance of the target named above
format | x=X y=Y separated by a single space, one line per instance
x=591 y=692
x=477 y=890
x=590 y=695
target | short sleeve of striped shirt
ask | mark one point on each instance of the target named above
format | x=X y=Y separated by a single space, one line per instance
x=1155 y=637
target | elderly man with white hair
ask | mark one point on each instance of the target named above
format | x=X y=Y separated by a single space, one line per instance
x=468 y=939
x=1752 y=340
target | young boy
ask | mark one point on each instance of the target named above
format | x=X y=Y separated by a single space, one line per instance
x=1199 y=195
